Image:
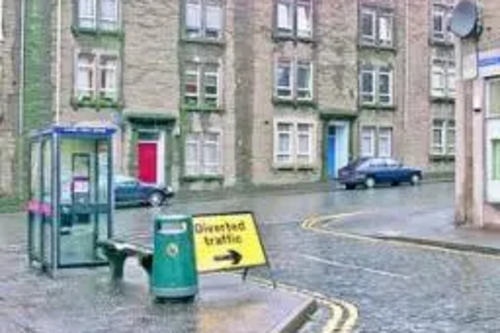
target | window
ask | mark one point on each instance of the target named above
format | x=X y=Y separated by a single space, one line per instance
x=108 y=74
x=385 y=142
x=368 y=141
x=376 y=85
x=443 y=137
x=96 y=77
x=204 y=19
x=304 y=143
x=284 y=146
x=203 y=156
x=493 y=97
x=201 y=85
x=304 y=80
x=376 y=142
x=385 y=86
x=368 y=26
x=376 y=27
x=284 y=78
x=294 y=79
x=440 y=19
x=443 y=76
x=495 y=144
x=294 y=17
x=98 y=14
x=294 y=143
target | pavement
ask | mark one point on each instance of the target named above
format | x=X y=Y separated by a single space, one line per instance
x=85 y=300
x=433 y=227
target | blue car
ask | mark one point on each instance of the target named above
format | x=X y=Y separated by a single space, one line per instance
x=130 y=191
x=370 y=171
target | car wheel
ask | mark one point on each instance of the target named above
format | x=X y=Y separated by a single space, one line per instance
x=370 y=182
x=350 y=186
x=156 y=199
x=415 y=179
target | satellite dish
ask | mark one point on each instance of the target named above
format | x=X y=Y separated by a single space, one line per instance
x=464 y=19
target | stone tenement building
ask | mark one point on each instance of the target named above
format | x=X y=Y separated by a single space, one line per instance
x=211 y=93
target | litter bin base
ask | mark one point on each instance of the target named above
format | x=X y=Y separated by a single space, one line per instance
x=174 y=293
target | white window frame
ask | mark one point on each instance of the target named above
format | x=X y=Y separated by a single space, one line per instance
x=200 y=167
x=201 y=29
x=443 y=12
x=82 y=17
x=443 y=67
x=309 y=65
x=86 y=92
x=200 y=70
x=444 y=147
x=290 y=86
x=305 y=33
x=372 y=136
x=373 y=73
x=215 y=74
x=192 y=168
x=1 y=22
x=98 y=20
x=112 y=21
x=288 y=154
x=368 y=38
x=309 y=154
x=489 y=112
x=106 y=92
x=206 y=166
x=382 y=40
x=292 y=154
x=195 y=73
x=387 y=135
x=195 y=30
x=385 y=71
x=96 y=68
x=288 y=27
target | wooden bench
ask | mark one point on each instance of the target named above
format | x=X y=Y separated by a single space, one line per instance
x=118 y=251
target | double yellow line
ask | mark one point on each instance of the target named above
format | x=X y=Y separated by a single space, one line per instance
x=343 y=315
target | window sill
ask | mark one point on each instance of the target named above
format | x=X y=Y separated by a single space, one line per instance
x=202 y=178
x=384 y=107
x=77 y=31
x=283 y=37
x=202 y=108
x=377 y=47
x=205 y=41
x=294 y=167
x=441 y=43
x=98 y=104
x=441 y=99
x=294 y=103
x=442 y=158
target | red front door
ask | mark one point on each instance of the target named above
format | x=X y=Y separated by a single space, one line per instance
x=147 y=152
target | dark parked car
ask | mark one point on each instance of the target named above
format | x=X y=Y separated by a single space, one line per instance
x=129 y=191
x=372 y=171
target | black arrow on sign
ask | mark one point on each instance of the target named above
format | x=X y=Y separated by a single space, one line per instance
x=232 y=255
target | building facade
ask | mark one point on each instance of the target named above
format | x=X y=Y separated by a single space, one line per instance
x=217 y=93
x=477 y=191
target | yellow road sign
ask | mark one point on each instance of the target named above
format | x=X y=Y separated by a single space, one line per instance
x=227 y=241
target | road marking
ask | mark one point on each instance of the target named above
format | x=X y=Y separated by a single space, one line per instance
x=338 y=308
x=361 y=268
x=311 y=223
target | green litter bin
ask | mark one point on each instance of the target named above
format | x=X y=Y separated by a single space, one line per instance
x=174 y=272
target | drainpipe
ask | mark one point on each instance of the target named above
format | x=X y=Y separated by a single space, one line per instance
x=20 y=113
x=58 y=62
x=407 y=76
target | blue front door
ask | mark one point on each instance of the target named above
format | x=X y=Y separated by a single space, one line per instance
x=331 y=153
